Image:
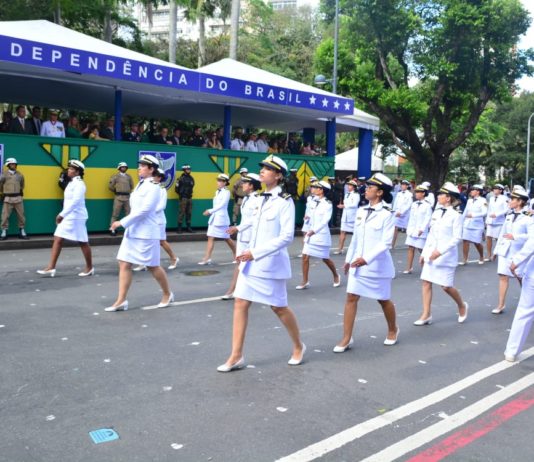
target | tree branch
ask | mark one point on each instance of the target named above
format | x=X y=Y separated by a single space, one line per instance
x=385 y=68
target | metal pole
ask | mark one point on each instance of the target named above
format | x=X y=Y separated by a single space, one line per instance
x=528 y=152
x=336 y=32
x=234 y=28
x=173 y=17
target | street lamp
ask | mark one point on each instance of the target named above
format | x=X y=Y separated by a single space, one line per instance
x=528 y=152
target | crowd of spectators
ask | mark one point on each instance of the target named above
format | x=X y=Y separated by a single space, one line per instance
x=150 y=132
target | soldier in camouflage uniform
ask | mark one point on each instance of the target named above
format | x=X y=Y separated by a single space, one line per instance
x=122 y=185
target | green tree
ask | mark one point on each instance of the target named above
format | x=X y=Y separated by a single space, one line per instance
x=428 y=68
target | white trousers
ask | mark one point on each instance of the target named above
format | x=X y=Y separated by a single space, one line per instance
x=524 y=316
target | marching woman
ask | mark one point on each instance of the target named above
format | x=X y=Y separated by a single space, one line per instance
x=141 y=242
x=403 y=203
x=473 y=227
x=265 y=267
x=219 y=220
x=350 y=207
x=514 y=234
x=497 y=210
x=71 y=221
x=250 y=184
x=440 y=253
x=368 y=261
x=158 y=177
x=310 y=205
x=317 y=240
x=417 y=230
x=524 y=314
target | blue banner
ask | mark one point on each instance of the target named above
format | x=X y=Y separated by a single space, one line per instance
x=167 y=161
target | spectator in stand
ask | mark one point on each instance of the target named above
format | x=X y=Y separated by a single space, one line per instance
x=262 y=143
x=143 y=134
x=251 y=143
x=306 y=149
x=20 y=124
x=220 y=135
x=108 y=131
x=283 y=147
x=162 y=137
x=94 y=134
x=213 y=141
x=273 y=147
x=133 y=135
x=73 y=128
x=53 y=127
x=237 y=142
x=196 y=139
x=293 y=144
x=176 y=137
x=7 y=117
x=35 y=121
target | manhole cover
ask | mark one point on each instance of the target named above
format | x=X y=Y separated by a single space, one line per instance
x=201 y=273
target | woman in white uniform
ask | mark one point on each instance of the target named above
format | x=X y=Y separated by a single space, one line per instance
x=497 y=210
x=250 y=183
x=522 y=263
x=418 y=224
x=317 y=240
x=162 y=221
x=350 y=205
x=141 y=242
x=265 y=267
x=430 y=198
x=71 y=221
x=368 y=261
x=219 y=219
x=310 y=205
x=440 y=253
x=401 y=209
x=514 y=234
x=473 y=227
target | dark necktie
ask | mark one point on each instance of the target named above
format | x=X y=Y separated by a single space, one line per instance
x=443 y=210
x=139 y=184
x=369 y=211
x=516 y=214
x=418 y=202
x=266 y=197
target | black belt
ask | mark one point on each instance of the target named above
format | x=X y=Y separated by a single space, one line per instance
x=122 y=194
x=12 y=194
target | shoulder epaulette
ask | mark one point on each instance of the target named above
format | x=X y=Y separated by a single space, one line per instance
x=286 y=196
x=389 y=209
x=457 y=208
x=526 y=212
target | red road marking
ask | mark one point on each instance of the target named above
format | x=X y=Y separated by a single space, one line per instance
x=476 y=430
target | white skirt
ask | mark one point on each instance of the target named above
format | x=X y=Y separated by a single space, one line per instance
x=375 y=288
x=162 y=232
x=314 y=250
x=72 y=230
x=402 y=221
x=139 y=251
x=218 y=231
x=272 y=292
x=348 y=227
x=417 y=242
x=240 y=247
x=503 y=267
x=441 y=275
x=493 y=231
x=472 y=235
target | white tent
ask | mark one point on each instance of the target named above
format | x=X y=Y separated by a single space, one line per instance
x=348 y=161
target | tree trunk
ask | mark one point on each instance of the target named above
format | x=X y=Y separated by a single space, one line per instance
x=173 y=17
x=431 y=167
x=57 y=13
x=201 y=40
x=234 y=28
x=108 y=28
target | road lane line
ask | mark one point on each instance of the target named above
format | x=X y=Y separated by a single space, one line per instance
x=183 y=302
x=338 y=440
x=481 y=427
x=397 y=450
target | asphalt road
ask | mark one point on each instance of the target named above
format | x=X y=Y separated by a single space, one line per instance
x=69 y=368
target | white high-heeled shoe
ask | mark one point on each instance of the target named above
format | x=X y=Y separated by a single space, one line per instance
x=140 y=268
x=122 y=307
x=227 y=297
x=174 y=264
x=391 y=342
x=342 y=349
x=423 y=322
x=168 y=303
x=498 y=310
x=91 y=272
x=461 y=319
x=239 y=364
x=338 y=283
x=50 y=272
x=205 y=262
x=298 y=362
x=303 y=286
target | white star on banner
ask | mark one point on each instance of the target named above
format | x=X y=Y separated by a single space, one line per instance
x=347 y=106
x=336 y=104
x=312 y=99
x=325 y=102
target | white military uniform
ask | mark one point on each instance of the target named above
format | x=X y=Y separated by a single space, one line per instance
x=444 y=235
x=418 y=224
x=498 y=206
x=263 y=279
x=310 y=206
x=351 y=203
x=160 y=210
x=73 y=227
x=524 y=314
x=403 y=202
x=372 y=238
x=516 y=224
x=55 y=130
x=140 y=245
x=473 y=228
x=249 y=206
x=219 y=219
x=318 y=245
x=237 y=144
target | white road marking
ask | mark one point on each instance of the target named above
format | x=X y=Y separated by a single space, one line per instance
x=338 y=440
x=417 y=440
x=183 y=302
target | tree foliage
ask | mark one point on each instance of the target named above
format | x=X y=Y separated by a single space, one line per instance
x=428 y=68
